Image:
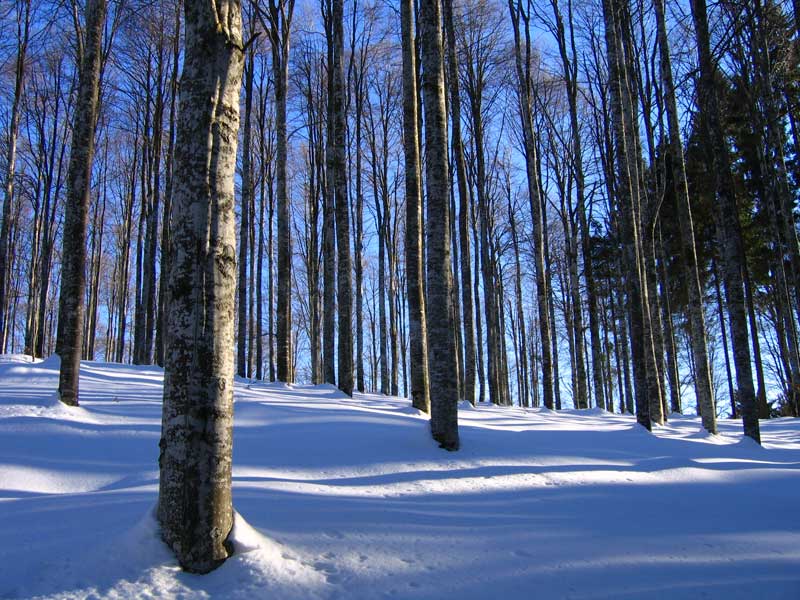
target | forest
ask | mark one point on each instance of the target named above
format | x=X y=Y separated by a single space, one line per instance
x=532 y=203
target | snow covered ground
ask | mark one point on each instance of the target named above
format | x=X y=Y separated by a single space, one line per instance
x=350 y=498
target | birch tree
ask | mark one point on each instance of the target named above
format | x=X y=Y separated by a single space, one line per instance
x=194 y=503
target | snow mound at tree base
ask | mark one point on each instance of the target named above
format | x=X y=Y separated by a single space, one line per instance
x=137 y=564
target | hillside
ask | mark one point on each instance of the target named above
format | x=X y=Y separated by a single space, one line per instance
x=350 y=498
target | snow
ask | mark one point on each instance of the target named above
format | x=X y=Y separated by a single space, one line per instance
x=350 y=498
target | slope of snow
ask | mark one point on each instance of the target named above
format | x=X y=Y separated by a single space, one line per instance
x=350 y=498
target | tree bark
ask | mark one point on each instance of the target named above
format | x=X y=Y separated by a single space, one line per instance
x=170 y=160
x=23 y=31
x=344 y=289
x=464 y=196
x=727 y=219
x=522 y=51
x=697 y=324
x=329 y=218
x=280 y=20
x=244 y=223
x=73 y=268
x=194 y=505
x=442 y=352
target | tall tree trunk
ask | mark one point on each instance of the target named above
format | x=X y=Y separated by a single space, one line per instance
x=151 y=239
x=194 y=505
x=727 y=219
x=520 y=16
x=522 y=354
x=359 y=91
x=329 y=219
x=491 y=310
x=442 y=352
x=551 y=315
x=271 y=270
x=694 y=307
x=259 y=289
x=464 y=196
x=165 y=241
x=244 y=228
x=73 y=267
x=724 y=336
x=383 y=344
x=671 y=365
x=344 y=289
x=478 y=321
x=280 y=20
x=139 y=318
x=130 y=201
x=570 y=77
x=628 y=189
x=761 y=395
x=23 y=32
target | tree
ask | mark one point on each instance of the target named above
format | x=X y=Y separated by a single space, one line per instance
x=729 y=232
x=73 y=269
x=194 y=503
x=329 y=214
x=277 y=22
x=246 y=211
x=697 y=325
x=344 y=275
x=441 y=346
x=630 y=200
x=464 y=196
x=23 y=37
x=417 y=322
x=520 y=15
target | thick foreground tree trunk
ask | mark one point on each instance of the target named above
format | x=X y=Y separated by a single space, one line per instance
x=194 y=503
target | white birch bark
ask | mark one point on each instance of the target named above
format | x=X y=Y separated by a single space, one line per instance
x=194 y=505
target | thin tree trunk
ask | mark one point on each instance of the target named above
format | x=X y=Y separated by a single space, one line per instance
x=23 y=31
x=694 y=308
x=280 y=19
x=442 y=353
x=244 y=225
x=130 y=200
x=359 y=209
x=73 y=267
x=622 y=106
x=522 y=51
x=724 y=336
x=161 y=325
x=673 y=376
x=464 y=196
x=151 y=239
x=329 y=220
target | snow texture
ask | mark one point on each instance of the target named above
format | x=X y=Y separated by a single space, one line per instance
x=351 y=498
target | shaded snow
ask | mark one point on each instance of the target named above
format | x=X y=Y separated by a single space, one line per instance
x=350 y=498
